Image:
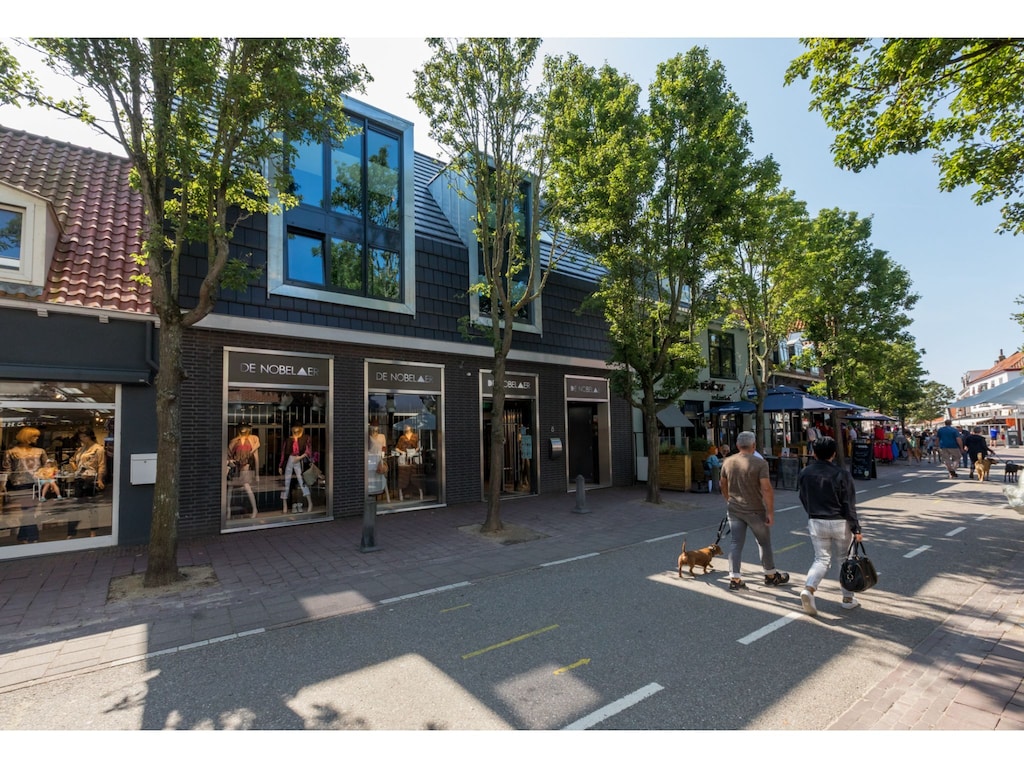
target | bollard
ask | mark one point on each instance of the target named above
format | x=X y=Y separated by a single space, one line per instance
x=581 y=496
x=368 y=544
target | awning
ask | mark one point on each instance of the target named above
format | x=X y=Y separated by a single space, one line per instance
x=1009 y=393
x=672 y=416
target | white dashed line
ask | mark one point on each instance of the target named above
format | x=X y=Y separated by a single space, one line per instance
x=886 y=485
x=918 y=551
x=768 y=629
x=955 y=531
x=570 y=559
x=614 y=708
x=669 y=536
x=424 y=592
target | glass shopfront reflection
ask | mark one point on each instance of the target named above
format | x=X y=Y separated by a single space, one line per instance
x=403 y=436
x=57 y=465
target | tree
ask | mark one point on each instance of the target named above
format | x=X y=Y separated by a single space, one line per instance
x=960 y=98
x=767 y=258
x=650 y=194
x=198 y=118
x=932 y=403
x=897 y=380
x=483 y=114
x=853 y=301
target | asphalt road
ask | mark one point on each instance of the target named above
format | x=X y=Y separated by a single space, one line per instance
x=611 y=641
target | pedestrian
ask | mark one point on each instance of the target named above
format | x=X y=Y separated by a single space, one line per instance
x=750 y=503
x=929 y=446
x=976 y=447
x=951 y=446
x=828 y=497
x=712 y=470
x=965 y=460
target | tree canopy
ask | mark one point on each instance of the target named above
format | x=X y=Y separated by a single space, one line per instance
x=961 y=98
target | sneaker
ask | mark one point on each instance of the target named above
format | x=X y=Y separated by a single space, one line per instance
x=849 y=603
x=807 y=598
x=776 y=579
x=737 y=584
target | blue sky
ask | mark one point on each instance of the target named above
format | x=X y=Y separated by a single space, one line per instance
x=962 y=270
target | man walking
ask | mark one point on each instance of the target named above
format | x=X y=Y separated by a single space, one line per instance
x=951 y=446
x=750 y=501
x=828 y=497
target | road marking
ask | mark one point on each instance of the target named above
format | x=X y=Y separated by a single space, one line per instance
x=570 y=559
x=786 y=509
x=769 y=628
x=983 y=517
x=908 y=481
x=918 y=551
x=955 y=531
x=575 y=664
x=662 y=538
x=886 y=485
x=791 y=546
x=614 y=708
x=502 y=644
x=445 y=588
x=456 y=607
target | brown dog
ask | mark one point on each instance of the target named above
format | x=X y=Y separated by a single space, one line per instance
x=698 y=557
x=982 y=466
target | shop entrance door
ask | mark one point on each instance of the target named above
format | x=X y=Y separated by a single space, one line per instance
x=582 y=443
x=517 y=466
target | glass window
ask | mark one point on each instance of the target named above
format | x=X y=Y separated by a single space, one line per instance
x=517 y=287
x=402 y=447
x=276 y=457
x=721 y=355
x=358 y=214
x=10 y=238
x=56 y=461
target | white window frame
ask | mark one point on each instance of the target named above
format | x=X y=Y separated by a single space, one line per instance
x=39 y=231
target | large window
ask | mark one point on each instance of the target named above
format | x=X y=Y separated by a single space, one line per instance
x=721 y=355
x=350 y=240
x=516 y=286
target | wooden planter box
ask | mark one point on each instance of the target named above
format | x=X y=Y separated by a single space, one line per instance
x=675 y=472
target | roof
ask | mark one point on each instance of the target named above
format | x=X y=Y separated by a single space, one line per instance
x=100 y=220
x=1014 y=362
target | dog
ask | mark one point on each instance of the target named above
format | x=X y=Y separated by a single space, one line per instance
x=982 y=466
x=1010 y=472
x=698 y=557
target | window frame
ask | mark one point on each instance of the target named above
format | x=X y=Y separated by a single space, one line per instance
x=402 y=242
x=39 y=233
x=715 y=354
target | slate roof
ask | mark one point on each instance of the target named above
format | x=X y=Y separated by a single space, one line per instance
x=100 y=220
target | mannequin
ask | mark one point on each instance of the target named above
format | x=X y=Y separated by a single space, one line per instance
x=408 y=448
x=244 y=451
x=296 y=454
x=376 y=449
x=21 y=462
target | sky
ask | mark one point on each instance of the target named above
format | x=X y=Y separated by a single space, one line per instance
x=962 y=270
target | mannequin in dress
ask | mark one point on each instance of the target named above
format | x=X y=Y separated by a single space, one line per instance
x=408 y=449
x=244 y=453
x=21 y=462
x=296 y=455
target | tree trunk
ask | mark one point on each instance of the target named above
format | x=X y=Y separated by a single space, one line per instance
x=497 y=460
x=162 y=566
x=653 y=442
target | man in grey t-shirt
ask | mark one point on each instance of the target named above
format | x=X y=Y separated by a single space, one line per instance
x=750 y=503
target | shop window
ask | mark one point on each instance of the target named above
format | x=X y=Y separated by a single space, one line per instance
x=350 y=240
x=57 y=466
x=721 y=355
x=403 y=449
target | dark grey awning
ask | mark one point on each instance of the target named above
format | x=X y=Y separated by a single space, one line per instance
x=673 y=417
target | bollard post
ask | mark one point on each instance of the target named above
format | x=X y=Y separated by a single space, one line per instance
x=581 y=496
x=369 y=544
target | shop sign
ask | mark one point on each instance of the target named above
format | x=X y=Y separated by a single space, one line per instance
x=581 y=388
x=517 y=385
x=403 y=377
x=278 y=369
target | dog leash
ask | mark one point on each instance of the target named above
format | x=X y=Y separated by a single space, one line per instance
x=723 y=527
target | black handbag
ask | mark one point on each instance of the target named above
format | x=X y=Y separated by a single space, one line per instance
x=857 y=573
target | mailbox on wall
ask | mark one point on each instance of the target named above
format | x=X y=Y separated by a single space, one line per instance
x=556 y=447
x=143 y=468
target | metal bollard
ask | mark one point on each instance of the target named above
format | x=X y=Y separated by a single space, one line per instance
x=368 y=544
x=581 y=496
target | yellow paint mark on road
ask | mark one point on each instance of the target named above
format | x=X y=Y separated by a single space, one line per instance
x=572 y=666
x=456 y=607
x=509 y=642
x=791 y=546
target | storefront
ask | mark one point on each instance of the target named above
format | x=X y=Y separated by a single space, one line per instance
x=276 y=433
x=588 y=430
x=519 y=470
x=404 y=434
